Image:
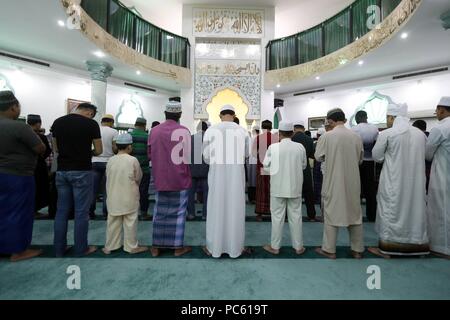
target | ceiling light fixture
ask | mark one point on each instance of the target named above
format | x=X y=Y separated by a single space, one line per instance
x=361 y=62
x=99 y=54
x=317 y=78
x=404 y=35
x=138 y=72
x=278 y=85
x=61 y=23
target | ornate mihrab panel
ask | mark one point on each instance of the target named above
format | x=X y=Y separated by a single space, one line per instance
x=372 y=40
x=227 y=64
x=227 y=22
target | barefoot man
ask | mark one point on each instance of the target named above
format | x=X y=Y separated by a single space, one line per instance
x=342 y=150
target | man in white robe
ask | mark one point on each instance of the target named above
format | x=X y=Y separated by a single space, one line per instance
x=401 y=222
x=285 y=162
x=342 y=150
x=438 y=209
x=226 y=147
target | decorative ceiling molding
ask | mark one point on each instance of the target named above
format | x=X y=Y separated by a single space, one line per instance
x=371 y=41
x=107 y=43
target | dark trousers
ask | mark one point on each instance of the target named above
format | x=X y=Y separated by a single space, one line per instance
x=368 y=188
x=203 y=184
x=251 y=194
x=308 y=195
x=99 y=173
x=143 y=190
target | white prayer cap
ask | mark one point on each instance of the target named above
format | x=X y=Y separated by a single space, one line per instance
x=173 y=107
x=445 y=102
x=321 y=131
x=124 y=138
x=299 y=123
x=286 y=126
x=397 y=110
x=227 y=107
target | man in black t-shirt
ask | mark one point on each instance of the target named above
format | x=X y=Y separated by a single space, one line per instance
x=73 y=137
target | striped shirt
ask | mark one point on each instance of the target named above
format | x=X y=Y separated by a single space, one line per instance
x=140 y=138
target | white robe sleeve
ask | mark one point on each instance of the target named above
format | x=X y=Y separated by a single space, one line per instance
x=268 y=160
x=379 y=149
x=304 y=158
x=433 y=142
x=320 y=149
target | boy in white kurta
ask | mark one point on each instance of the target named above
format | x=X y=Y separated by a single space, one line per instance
x=285 y=162
x=123 y=176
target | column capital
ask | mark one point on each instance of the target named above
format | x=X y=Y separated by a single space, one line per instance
x=99 y=70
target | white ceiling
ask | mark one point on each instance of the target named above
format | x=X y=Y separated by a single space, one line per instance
x=291 y=16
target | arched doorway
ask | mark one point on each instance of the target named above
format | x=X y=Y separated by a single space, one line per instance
x=231 y=97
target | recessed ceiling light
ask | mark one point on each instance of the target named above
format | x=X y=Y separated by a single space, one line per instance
x=61 y=23
x=317 y=78
x=99 y=54
x=278 y=85
x=138 y=72
x=404 y=35
x=361 y=62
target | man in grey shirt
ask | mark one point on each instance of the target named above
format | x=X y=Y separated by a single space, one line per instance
x=369 y=134
x=18 y=157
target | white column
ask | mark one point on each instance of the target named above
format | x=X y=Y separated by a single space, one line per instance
x=100 y=71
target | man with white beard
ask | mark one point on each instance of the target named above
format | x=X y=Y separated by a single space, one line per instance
x=226 y=146
x=401 y=221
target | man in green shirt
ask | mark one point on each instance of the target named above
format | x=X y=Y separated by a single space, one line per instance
x=140 y=138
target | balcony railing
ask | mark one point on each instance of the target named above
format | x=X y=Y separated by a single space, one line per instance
x=137 y=33
x=333 y=34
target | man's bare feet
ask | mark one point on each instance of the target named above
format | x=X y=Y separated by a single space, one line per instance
x=377 y=252
x=90 y=250
x=139 y=250
x=206 y=251
x=247 y=251
x=271 y=250
x=300 y=251
x=155 y=252
x=180 y=252
x=357 y=255
x=106 y=251
x=27 y=254
x=325 y=254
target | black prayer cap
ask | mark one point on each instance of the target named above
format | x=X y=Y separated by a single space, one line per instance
x=33 y=119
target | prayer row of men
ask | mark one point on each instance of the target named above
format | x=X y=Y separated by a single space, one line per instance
x=407 y=222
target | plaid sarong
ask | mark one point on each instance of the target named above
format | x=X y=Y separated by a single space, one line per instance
x=169 y=219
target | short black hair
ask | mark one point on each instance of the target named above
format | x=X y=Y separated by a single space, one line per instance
x=286 y=133
x=361 y=116
x=299 y=126
x=122 y=146
x=155 y=123
x=308 y=133
x=336 y=115
x=7 y=100
x=173 y=116
x=236 y=120
x=204 y=126
x=266 y=125
x=87 y=106
x=420 y=124
x=227 y=112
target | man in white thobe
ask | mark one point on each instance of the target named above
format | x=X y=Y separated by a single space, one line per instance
x=401 y=222
x=285 y=162
x=342 y=150
x=438 y=209
x=226 y=147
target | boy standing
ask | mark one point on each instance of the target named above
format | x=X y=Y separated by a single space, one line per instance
x=123 y=176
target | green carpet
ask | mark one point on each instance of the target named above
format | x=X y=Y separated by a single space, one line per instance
x=197 y=253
